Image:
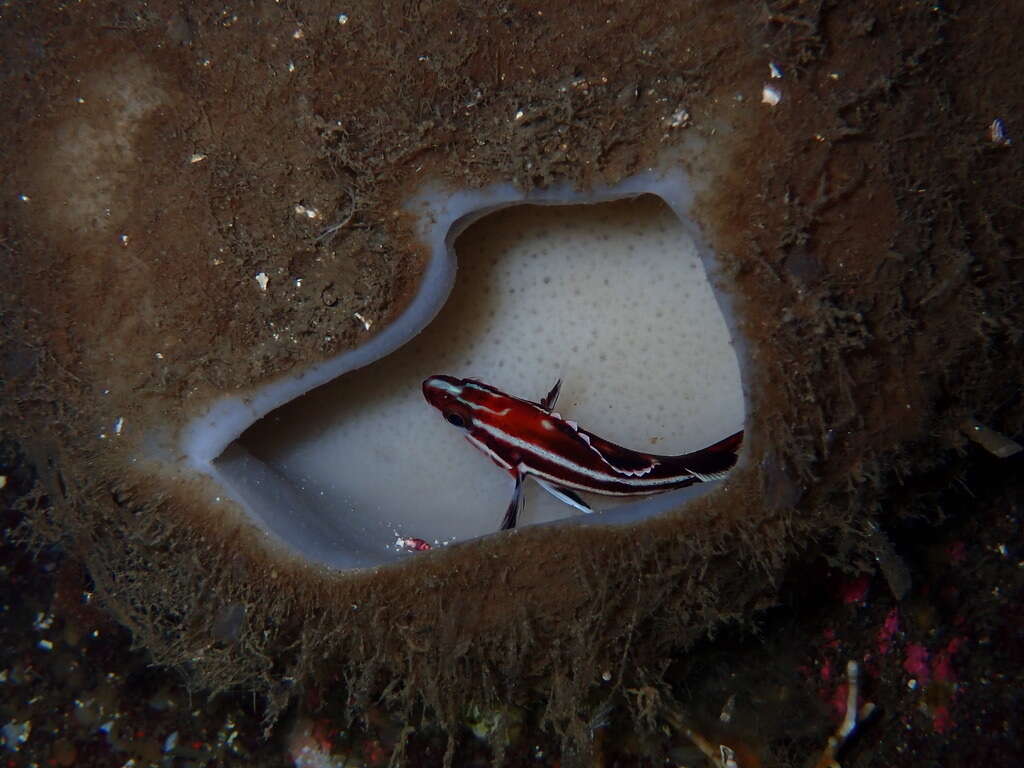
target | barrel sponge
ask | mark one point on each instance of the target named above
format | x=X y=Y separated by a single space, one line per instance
x=240 y=219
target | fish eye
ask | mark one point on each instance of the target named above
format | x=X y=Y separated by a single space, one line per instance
x=454 y=419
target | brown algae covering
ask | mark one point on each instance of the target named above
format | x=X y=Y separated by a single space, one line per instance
x=156 y=160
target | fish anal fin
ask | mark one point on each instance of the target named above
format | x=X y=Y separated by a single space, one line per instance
x=709 y=477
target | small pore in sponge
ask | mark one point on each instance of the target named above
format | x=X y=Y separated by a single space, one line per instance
x=612 y=298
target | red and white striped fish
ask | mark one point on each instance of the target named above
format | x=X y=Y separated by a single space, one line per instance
x=529 y=439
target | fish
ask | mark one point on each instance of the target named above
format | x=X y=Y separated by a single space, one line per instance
x=529 y=439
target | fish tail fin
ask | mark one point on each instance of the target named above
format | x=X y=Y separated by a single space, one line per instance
x=727 y=445
x=713 y=462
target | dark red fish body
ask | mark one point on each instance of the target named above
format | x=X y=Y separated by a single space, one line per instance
x=529 y=439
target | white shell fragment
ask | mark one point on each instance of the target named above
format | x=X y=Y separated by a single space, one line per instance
x=679 y=119
x=996 y=443
x=770 y=95
x=997 y=133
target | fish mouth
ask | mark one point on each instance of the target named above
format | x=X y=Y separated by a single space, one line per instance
x=439 y=390
x=388 y=470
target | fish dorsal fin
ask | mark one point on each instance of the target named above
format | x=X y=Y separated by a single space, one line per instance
x=549 y=400
x=620 y=459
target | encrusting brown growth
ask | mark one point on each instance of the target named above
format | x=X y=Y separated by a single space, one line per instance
x=154 y=166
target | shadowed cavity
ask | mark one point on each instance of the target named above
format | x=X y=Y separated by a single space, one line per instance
x=612 y=298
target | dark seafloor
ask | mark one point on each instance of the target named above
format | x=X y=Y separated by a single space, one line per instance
x=944 y=665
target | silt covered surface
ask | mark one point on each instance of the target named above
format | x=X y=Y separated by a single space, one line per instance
x=867 y=224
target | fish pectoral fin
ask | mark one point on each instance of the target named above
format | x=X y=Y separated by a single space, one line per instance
x=565 y=495
x=515 y=506
x=548 y=403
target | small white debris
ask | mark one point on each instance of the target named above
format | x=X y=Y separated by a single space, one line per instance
x=343 y=18
x=124 y=240
x=46 y=645
x=80 y=100
x=852 y=686
x=196 y=158
x=997 y=133
x=770 y=95
x=520 y=114
x=679 y=119
x=159 y=355
x=15 y=734
x=306 y=210
x=291 y=66
x=997 y=444
x=775 y=70
x=262 y=279
x=119 y=425
x=24 y=198
x=606 y=676
x=298 y=282
x=171 y=742
x=42 y=621
x=728 y=710
x=298 y=34
x=366 y=323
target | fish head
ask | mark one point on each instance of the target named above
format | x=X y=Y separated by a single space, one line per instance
x=446 y=394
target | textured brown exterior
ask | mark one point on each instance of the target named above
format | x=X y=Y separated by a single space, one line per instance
x=868 y=225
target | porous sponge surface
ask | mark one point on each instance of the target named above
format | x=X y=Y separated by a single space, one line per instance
x=612 y=298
